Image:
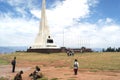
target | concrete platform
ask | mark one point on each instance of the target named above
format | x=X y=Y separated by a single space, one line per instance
x=47 y=50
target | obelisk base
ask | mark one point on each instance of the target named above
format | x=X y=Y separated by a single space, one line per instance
x=47 y=50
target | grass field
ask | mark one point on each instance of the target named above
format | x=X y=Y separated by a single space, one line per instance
x=92 y=61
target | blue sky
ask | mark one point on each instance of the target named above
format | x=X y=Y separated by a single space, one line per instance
x=90 y=23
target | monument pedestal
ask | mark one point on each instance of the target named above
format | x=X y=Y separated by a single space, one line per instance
x=45 y=50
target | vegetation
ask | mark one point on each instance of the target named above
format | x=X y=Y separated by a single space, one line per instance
x=54 y=79
x=2 y=78
x=110 y=49
x=43 y=78
x=3 y=62
x=92 y=61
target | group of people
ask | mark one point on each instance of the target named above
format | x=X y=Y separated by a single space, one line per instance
x=70 y=52
x=36 y=74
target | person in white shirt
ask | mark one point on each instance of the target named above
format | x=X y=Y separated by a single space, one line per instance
x=76 y=65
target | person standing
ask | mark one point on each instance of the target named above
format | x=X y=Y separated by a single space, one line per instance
x=13 y=64
x=76 y=65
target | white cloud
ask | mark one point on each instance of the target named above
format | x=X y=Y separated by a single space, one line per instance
x=22 y=3
x=62 y=20
x=17 y=31
x=65 y=12
x=106 y=21
x=36 y=13
x=68 y=11
x=92 y=35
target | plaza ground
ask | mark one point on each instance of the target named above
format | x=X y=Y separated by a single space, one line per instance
x=59 y=66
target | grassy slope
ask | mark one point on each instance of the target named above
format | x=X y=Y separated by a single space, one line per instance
x=97 y=61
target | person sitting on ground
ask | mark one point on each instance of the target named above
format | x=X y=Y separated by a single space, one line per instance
x=36 y=74
x=18 y=76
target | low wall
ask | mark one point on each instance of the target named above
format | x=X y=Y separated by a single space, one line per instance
x=45 y=50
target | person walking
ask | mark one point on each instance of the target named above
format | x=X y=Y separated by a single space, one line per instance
x=13 y=64
x=76 y=65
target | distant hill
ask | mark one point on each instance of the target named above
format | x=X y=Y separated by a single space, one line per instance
x=10 y=49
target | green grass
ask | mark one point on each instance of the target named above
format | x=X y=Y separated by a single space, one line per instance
x=3 y=62
x=54 y=79
x=92 y=61
x=101 y=61
x=2 y=78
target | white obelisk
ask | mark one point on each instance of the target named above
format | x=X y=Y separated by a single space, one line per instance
x=43 y=39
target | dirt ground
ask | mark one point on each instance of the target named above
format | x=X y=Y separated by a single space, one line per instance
x=61 y=73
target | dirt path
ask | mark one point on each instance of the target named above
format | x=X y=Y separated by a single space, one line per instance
x=6 y=71
x=62 y=73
